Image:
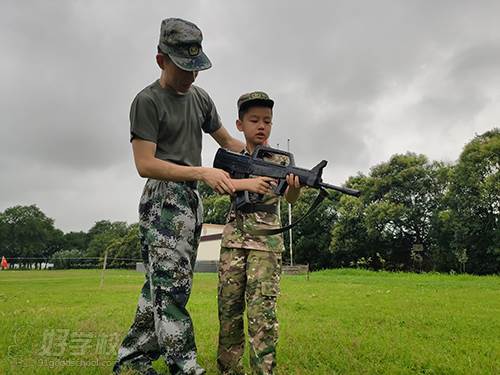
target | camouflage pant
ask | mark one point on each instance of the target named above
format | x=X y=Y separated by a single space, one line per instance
x=252 y=276
x=170 y=219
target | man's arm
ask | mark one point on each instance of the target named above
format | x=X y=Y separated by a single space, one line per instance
x=225 y=140
x=151 y=167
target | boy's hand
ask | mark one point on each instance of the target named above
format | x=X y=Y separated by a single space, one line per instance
x=260 y=185
x=293 y=181
x=218 y=180
x=293 y=190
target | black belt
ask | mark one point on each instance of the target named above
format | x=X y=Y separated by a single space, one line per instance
x=256 y=207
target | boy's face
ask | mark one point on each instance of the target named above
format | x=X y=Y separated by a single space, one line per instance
x=256 y=125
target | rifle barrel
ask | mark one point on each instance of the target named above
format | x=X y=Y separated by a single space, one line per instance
x=353 y=192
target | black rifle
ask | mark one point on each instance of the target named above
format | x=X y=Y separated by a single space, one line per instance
x=243 y=166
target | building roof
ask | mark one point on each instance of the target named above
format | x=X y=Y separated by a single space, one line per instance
x=211 y=229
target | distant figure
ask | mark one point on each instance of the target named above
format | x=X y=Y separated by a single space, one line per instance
x=4 y=263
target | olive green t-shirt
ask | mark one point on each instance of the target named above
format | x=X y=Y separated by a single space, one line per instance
x=173 y=121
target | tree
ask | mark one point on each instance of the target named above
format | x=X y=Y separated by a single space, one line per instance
x=395 y=214
x=5 y=249
x=102 y=234
x=215 y=205
x=100 y=227
x=474 y=201
x=349 y=236
x=55 y=242
x=311 y=236
x=216 y=208
x=204 y=190
x=125 y=251
x=76 y=240
x=66 y=259
x=28 y=233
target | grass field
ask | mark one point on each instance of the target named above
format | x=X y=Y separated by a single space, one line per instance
x=337 y=322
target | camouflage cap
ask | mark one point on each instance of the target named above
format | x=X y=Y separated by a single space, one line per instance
x=181 y=41
x=254 y=98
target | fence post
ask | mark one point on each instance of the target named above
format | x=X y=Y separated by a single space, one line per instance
x=104 y=267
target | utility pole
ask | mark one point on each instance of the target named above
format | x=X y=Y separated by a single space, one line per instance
x=279 y=197
x=290 y=217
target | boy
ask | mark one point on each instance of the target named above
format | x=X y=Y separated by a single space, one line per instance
x=250 y=265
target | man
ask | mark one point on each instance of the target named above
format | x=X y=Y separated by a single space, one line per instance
x=167 y=119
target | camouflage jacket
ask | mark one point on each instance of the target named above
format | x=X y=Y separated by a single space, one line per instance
x=232 y=237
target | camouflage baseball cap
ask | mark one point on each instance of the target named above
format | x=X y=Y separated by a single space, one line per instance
x=181 y=41
x=254 y=98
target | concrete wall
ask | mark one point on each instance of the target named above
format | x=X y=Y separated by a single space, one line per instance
x=209 y=250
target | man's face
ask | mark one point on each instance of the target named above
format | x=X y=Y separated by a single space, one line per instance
x=256 y=125
x=180 y=80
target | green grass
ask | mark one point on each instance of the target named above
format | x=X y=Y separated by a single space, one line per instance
x=337 y=322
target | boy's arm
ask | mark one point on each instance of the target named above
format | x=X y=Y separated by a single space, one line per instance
x=263 y=185
x=151 y=167
x=260 y=185
x=225 y=140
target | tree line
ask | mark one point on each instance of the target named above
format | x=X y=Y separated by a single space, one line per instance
x=413 y=215
x=28 y=239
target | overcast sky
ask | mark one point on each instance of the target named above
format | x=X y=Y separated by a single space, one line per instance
x=354 y=83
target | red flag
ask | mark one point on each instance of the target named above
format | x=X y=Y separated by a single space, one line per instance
x=4 y=263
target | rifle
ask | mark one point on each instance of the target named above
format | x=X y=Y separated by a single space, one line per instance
x=242 y=166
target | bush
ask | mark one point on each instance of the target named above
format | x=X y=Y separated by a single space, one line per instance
x=66 y=259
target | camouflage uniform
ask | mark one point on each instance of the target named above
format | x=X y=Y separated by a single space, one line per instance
x=249 y=271
x=170 y=213
x=170 y=226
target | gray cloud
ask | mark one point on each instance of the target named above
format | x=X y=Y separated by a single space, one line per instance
x=354 y=83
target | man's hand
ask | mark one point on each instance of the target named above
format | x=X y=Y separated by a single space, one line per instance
x=218 y=180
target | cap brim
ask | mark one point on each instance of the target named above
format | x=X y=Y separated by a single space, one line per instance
x=257 y=103
x=200 y=62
